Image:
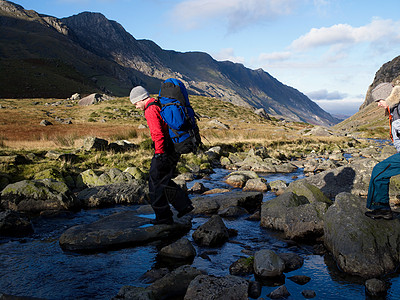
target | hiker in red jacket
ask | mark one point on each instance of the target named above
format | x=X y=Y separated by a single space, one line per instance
x=162 y=190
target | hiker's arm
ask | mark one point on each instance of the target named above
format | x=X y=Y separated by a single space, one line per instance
x=157 y=131
x=396 y=134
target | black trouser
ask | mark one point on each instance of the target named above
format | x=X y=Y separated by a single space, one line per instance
x=162 y=190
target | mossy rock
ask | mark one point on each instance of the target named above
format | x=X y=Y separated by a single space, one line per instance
x=137 y=173
x=311 y=192
x=87 y=178
x=50 y=173
x=38 y=195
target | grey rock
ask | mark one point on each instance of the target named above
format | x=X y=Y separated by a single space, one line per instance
x=45 y=123
x=94 y=143
x=236 y=180
x=133 y=192
x=311 y=192
x=119 y=230
x=214 y=204
x=213 y=287
x=268 y=264
x=75 y=96
x=308 y=294
x=259 y=185
x=233 y=212
x=181 y=249
x=278 y=185
x=292 y=261
x=319 y=131
x=217 y=124
x=376 y=287
x=175 y=283
x=279 y=293
x=171 y=285
x=261 y=112
x=197 y=188
x=93 y=99
x=294 y=215
x=38 y=195
x=212 y=233
x=243 y=266
x=360 y=245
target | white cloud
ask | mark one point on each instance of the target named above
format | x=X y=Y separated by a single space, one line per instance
x=346 y=106
x=344 y=35
x=275 y=56
x=325 y=95
x=237 y=13
x=228 y=54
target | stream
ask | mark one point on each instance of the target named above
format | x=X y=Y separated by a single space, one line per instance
x=35 y=266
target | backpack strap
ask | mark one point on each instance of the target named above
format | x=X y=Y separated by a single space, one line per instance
x=153 y=103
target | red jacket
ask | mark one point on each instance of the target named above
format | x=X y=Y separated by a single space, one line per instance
x=158 y=128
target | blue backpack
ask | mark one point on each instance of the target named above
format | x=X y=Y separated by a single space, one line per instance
x=179 y=115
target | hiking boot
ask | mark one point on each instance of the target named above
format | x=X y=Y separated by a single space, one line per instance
x=185 y=211
x=386 y=214
x=167 y=221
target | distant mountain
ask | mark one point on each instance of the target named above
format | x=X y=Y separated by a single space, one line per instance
x=48 y=57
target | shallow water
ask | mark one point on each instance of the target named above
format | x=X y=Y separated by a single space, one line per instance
x=37 y=267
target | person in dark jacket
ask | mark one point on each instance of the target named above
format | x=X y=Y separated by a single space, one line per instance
x=162 y=189
x=387 y=97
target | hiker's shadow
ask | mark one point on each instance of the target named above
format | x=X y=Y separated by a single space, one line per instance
x=342 y=182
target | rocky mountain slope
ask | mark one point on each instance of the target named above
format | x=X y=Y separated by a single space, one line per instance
x=48 y=57
x=370 y=121
x=389 y=72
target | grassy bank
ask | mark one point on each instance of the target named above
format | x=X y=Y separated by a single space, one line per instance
x=117 y=119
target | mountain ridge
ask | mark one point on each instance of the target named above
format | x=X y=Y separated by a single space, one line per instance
x=105 y=57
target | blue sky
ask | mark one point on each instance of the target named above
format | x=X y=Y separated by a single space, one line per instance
x=329 y=50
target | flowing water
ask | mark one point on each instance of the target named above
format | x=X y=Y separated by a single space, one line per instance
x=36 y=266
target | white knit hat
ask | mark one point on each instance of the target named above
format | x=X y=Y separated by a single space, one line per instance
x=381 y=91
x=138 y=93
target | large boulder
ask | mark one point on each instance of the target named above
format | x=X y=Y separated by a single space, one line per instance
x=360 y=245
x=120 y=230
x=117 y=193
x=93 y=99
x=38 y=195
x=215 y=204
x=298 y=216
x=311 y=192
x=213 y=287
x=94 y=143
x=89 y=178
x=238 y=179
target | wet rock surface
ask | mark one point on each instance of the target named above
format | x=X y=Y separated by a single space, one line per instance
x=119 y=230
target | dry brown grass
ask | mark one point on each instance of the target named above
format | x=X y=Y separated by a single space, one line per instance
x=20 y=119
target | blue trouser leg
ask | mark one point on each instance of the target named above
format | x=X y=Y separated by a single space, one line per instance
x=378 y=190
